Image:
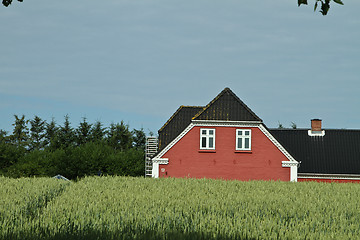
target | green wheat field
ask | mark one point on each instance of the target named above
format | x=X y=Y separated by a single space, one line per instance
x=142 y=208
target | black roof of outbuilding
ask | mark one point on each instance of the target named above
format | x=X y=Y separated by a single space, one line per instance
x=337 y=152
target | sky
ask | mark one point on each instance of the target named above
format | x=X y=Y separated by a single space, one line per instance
x=138 y=61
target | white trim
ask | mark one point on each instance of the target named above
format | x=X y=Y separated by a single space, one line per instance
x=160 y=160
x=292 y=163
x=155 y=170
x=289 y=164
x=207 y=136
x=212 y=123
x=226 y=122
x=242 y=137
x=329 y=176
x=276 y=143
x=316 y=133
x=155 y=166
x=207 y=123
x=173 y=142
x=293 y=169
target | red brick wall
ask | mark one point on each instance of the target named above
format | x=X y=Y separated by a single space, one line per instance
x=262 y=163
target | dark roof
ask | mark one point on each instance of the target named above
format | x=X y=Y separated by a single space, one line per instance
x=227 y=106
x=176 y=124
x=338 y=152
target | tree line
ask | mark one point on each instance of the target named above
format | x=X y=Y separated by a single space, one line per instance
x=40 y=148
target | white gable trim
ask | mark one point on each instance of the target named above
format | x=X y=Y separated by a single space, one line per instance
x=214 y=123
x=173 y=142
x=292 y=163
x=225 y=123
x=276 y=143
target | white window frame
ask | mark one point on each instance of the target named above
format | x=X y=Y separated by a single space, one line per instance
x=243 y=138
x=207 y=137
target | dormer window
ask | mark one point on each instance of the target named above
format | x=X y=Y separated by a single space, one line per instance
x=207 y=138
x=243 y=139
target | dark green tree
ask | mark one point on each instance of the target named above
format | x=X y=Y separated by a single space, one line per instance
x=48 y=149
x=119 y=136
x=37 y=133
x=97 y=132
x=9 y=152
x=139 y=139
x=9 y=155
x=325 y=5
x=83 y=132
x=66 y=134
x=20 y=132
x=51 y=135
x=3 y=136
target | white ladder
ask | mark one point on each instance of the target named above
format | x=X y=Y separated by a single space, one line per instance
x=151 y=147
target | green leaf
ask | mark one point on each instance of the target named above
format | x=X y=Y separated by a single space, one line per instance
x=302 y=2
x=6 y=3
x=339 y=2
x=325 y=7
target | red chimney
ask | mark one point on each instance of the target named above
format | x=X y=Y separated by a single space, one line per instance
x=316 y=125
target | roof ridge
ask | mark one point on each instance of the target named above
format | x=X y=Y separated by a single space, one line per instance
x=221 y=94
x=192 y=106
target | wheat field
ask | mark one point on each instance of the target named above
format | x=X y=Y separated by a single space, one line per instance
x=141 y=208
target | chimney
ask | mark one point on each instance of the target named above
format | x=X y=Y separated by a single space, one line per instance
x=315 y=125
x=316 y=128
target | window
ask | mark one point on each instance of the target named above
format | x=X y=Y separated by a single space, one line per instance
x=243 y=139
x=207 y=138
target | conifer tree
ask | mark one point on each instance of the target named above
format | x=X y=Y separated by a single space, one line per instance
x=97 y=132
x=20 y=132
x=37 y=133
x=83 y=132
x=119 y=136
x=66 y=135
x=51 y=136
x=3 y=136
x=139 y=139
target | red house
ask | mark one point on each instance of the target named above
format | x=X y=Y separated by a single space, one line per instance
x=224 y=140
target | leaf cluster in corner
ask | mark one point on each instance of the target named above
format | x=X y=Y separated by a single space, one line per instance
x=6 y=3
x=325 y=5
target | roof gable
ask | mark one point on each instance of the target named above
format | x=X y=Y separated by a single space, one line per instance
x=224 y=107
x=227 y=107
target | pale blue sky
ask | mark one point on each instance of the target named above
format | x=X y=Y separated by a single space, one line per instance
x=138 y=61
